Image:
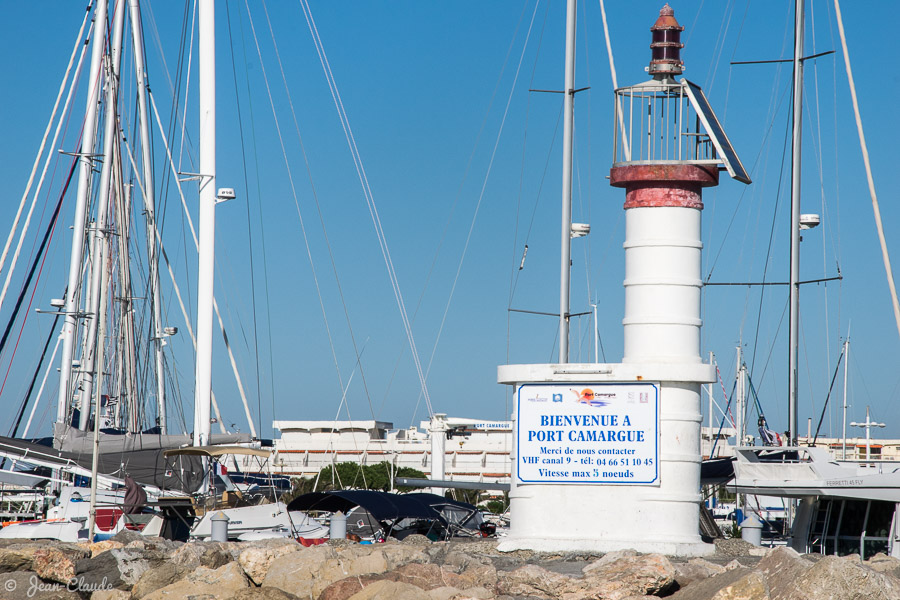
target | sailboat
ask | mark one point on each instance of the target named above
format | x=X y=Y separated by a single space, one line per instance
x=843 y=507
x=114 y=448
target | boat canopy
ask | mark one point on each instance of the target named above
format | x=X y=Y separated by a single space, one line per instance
x=383 y=506
x=217 y=451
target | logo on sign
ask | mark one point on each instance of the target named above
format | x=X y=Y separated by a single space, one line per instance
x=591 y=398
x=557 y=397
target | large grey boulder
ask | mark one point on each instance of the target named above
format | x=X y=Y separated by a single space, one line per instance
x=308 y=572
x=119 y=567
x=57 y=565
x=835 y=578
x=735 y=584
x=696 y=569
x=480 y=580
x=394 y=590
x=157 y=578
x=256 y=559
x=209 y=584
x=532 y=581
x=18 y=555
x=630 y=576
x=26 y=585
x=255 y=593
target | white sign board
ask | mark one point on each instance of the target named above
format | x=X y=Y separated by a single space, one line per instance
x=588 y=433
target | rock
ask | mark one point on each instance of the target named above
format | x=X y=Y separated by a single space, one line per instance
x=631 y=575
x=119 y=567
x=343 y=589
x=256 y=560
x=95 y=548
x=211 y=555
x=111 y=595
x=308 y=572
x=18 y=555
x=54 y=565
x=26 y=585
x=452 y=593
x=209 y=584
x=735 y=564
x=887 y=565
x=696 y=569
x=263 y=594
x=610 y=557
x=532 y=581
x=737 y=584
x=416 y=539
x=733 y=547
x=459 y=562
x=157 y=578
x=155 y=545
x=17 y=558
x=126 y=535
x=834 y=578
x=390 y=589
x=782 y=567
x=424 y=576
x=397 y=555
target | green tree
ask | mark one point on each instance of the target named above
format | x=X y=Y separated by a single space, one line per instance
x=348 y=475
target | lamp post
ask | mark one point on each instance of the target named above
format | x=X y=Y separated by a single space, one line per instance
x=869 y=424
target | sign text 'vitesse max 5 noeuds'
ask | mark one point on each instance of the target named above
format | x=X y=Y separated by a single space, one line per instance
x=588 y=433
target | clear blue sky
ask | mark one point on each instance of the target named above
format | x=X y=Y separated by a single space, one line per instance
x=425 y=86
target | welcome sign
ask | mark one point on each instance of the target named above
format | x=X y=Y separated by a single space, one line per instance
x=588 y=433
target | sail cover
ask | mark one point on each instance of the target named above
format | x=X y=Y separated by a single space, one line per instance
x=145 y=466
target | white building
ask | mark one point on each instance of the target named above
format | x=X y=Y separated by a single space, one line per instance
x=476 y=450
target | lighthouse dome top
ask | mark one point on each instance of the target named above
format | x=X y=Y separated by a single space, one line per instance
x=666 y=45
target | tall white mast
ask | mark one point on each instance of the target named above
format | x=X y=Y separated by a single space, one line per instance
x=568 y=126
x=84 y=181
x=94 y=348
x=149 y=195
x=793 y=360
x=207 y=97
x=844 y=418
x=741 y=399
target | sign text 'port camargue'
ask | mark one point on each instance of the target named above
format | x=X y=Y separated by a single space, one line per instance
x=588 y=433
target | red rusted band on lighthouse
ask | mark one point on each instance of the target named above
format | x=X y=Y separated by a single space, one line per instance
x=677 y=185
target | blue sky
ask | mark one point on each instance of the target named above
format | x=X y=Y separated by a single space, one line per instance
x=425 y=87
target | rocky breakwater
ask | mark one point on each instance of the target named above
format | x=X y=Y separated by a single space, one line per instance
x=132 y=567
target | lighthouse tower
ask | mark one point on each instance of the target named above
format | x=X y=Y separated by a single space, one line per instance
x=613 y=450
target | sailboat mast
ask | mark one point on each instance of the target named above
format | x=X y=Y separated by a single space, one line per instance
x=844 y=416
x=207 y=100
x=85 y=173
x=796 y=154
x=149 y=194
x=568 y=127
x=94 y=349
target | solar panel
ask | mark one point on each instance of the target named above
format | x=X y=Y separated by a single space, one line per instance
x=716 y=133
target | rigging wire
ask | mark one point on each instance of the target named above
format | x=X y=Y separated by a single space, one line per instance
x=370 y=198
x=240 y=123
x=38 y=261
x=340 y=289
x=869 y=179
x=297 y=203
x=482 y=193
x=40 y=152
x=262 y=230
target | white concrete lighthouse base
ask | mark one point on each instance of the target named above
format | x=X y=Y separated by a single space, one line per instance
x=661 y=517
x=592 y=546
